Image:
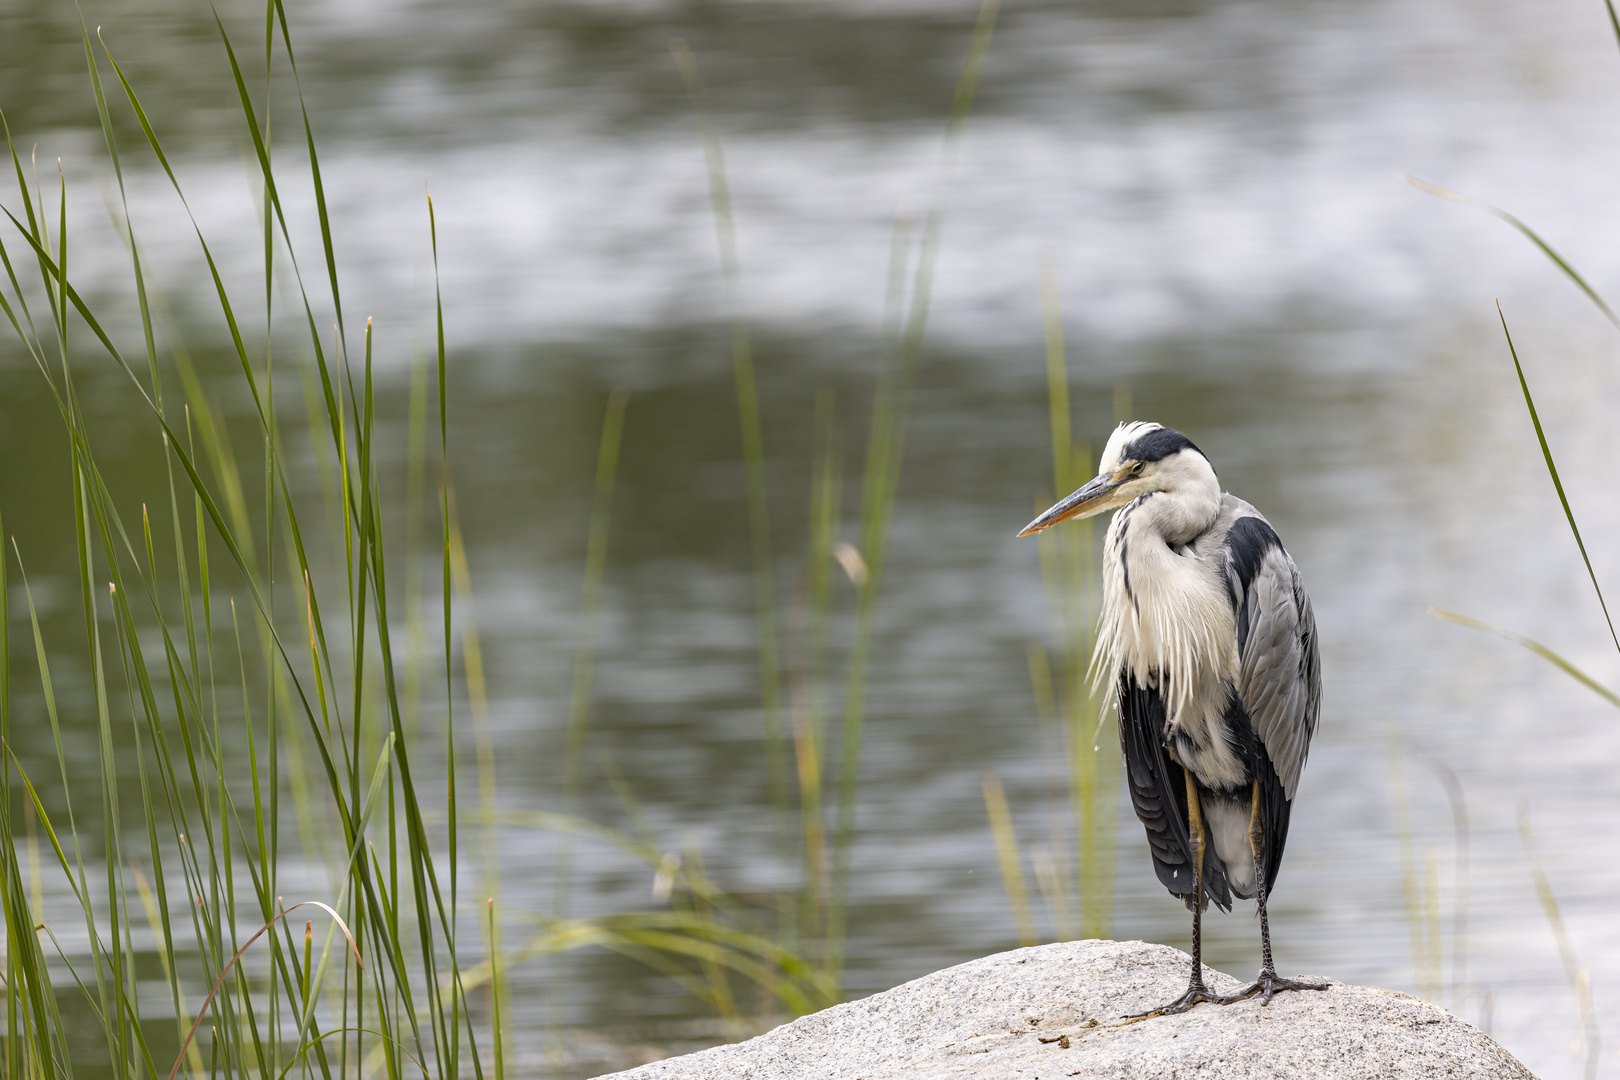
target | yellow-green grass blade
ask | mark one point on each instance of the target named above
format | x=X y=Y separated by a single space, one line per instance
x=498 y=1040
x=1012 y=869
x=607 y=466
x=1067 y=562
x=643 y=847
x=1057 y=387
x=446 y=585
x=157 y=920
x=201 y=488
x=1536 y=647
x=1552 y=470
x=257 y=133
x=209 y=865
x=32 y=1025
x=123 y=196
x=106 y=952
x=314 y=165
x=809 y=710
x=237 y=956
x=30 y=337
x=1530 y=234
x=1580 y=982
x=122 y=922
x=272 y=200
x=1417 y=927
x=800 y=986
x=73 y=870
x=379 y=779
x=135 y=677
x=157 y=907
x=886 y=450
x=315 y=1041
x=753 y=441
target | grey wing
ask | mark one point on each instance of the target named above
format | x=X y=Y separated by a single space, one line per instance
x=1279 y=675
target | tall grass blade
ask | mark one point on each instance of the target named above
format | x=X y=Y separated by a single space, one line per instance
x=810 y=706
x=1068 y=559
x=237 y=956
x=1012 y=871
x=35 y=1041
x=1580 y=982
x=607 y=467
x=499 y=1040
x=1424 y=974
x=1536 y=647
x=1459 y=898
x=1558 y=485
x=753 y=439
x=204 y=775
x=1529 y=234
x=885 y=452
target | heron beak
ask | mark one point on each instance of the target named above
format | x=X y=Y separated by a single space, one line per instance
x=1091 y=499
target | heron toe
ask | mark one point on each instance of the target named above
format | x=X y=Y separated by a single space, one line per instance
x=1195 y=993
x=1267 y=985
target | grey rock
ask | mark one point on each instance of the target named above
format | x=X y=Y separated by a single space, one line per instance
x=1056 y=1010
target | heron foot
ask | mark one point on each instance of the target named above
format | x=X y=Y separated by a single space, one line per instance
x=1196 y=992
x=1266 y=985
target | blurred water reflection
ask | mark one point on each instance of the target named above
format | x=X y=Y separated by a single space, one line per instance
x=1214 y=185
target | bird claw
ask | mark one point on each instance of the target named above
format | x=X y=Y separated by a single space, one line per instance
x=1266 y=985
x=1196 y=992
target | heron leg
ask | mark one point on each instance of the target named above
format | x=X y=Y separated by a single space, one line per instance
x=1268 y=982
x=1196 y=990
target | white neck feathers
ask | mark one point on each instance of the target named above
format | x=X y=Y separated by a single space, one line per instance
x=1166 y=615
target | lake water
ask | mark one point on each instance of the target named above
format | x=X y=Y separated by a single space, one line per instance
x=1216 y=190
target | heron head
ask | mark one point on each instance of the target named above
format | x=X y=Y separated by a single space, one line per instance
x=1140 y=458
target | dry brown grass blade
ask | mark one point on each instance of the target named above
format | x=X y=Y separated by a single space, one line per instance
x=192 y=1034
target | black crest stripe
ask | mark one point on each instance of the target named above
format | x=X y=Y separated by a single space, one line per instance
x=1156 y=445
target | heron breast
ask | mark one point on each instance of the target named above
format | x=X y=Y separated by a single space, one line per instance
x=1169 y=615
x=1168 y=621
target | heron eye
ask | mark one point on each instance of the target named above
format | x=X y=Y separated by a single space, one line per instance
x=1136 y=470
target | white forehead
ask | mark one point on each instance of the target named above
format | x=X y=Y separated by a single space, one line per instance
x=1122 y=437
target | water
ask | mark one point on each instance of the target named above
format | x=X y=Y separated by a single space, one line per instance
x=1215 y=189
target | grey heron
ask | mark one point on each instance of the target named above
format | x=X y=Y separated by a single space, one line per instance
x=1207 y=637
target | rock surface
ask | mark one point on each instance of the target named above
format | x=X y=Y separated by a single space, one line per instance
x=1055 y=1011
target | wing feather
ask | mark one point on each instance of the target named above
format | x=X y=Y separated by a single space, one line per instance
x=1159 y=795
x=1279 y=675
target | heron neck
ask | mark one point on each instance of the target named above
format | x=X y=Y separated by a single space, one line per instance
x=1177 y=517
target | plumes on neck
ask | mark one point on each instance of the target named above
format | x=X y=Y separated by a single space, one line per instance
x=1157 y=578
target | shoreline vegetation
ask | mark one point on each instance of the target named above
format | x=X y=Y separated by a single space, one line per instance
x=280 y=815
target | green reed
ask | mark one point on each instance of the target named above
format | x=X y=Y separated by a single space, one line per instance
x=1071 y=707
x=239 y=647
x=813 y=918
x=228 y=698
x=212 y=834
